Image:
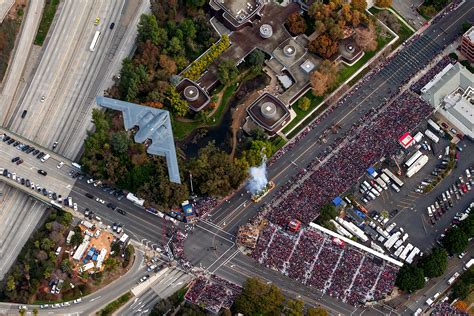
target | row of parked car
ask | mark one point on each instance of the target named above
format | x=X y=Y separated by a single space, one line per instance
x=27 y=149
x=30 y=184
x=447 y=198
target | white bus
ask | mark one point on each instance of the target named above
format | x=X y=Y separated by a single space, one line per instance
x=95 y=40
x=434 y=126
x=413 y=158
x=393 y=177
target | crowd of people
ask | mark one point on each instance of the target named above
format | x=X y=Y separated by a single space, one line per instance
x=204 y=205
x=318 y=260
x=212 y=292
x=445 y=309
x=417 y=86
x=328 y=177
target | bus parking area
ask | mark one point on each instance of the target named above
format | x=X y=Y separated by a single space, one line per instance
x=410 y=206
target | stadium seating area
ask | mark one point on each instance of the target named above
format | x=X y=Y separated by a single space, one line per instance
x=213 y=293
x=331 y=266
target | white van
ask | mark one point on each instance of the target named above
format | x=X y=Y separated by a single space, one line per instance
x=394 y=186
x=58 y=251
x=45 y=157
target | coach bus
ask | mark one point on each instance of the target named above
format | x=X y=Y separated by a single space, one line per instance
x=393 y=177
x=413 y=158
x=95 y=40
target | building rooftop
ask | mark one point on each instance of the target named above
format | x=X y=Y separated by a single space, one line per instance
x=268 y=112
x=196 y=97
x=237 y=12
x=153 y=124
x=452 y=93
x=470 y=34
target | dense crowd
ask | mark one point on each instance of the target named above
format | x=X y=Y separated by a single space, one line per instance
x=444 y=309
x=334 y=175
x=213 y=293
x=331 y=266
x=417 y=86
x=204 y=205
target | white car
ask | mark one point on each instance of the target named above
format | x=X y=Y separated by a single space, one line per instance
x=90 y=181
x=60 y=165
x=75 y=206
x=43 y=98
x=77 y=300
x=100 y=201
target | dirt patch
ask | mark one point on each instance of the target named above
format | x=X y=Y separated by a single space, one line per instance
x=18 y=7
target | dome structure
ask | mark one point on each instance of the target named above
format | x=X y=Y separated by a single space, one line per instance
x=289 y=50
x=191 y=93
x=266 y=31
x=268 y=109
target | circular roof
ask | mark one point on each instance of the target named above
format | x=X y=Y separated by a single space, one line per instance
x=266 y=30
x=268 y=109
x=289 y=50
x=191 y=93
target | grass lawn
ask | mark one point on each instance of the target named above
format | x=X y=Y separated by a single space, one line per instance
x=404 y=33
x=277 y=143
x=300 y=114
x=115 y=305
x=46 y=20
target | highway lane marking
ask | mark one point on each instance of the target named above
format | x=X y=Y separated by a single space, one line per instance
x=213 y=233
x=209 y=267
x=235 y=253
x=216 y=227
x=230 y=215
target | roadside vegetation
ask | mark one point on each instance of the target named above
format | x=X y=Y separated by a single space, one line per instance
x=38 y=265
x=115 y=305
x=411 y=277
x=49 y=11
x=430 y=8
x=8 y=32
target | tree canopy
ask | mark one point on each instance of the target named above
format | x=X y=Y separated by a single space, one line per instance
x=410 y=278
x=435 y=264
x=258 y=298
x=455 y=240
x=227 y=71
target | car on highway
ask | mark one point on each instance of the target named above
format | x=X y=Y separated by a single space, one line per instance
x=89 y=181
x=100 y=200
x=40 y=155
x=97 y=21
x=45 y=157
x=15 y=159
x=114 y=227
x=42 y=172
x=112 y=25
x=25 y=148
x=60 y=164
x=144 y=278
x=78 y=300
x=119 y=228
x=27 y=182
x=90 y=196
x=20 y=161
x=24 y=113
x=119 y=210
x=86 y=212
x=111 y=206
x=35 y=152
x=43 y=98
x=97 y=183
x=55 y=197
x=55 y=145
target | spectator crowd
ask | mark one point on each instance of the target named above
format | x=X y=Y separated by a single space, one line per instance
x=445 y=309
x=212 y=292
x=319 y=260
x=338 y=168
x=417 y=86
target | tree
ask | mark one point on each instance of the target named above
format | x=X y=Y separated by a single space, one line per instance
x=319 y=83
x=111 y=264
x=383 y=3
x=258 y=298
x=464 y=285
x=256 y=57
x=66 y=266
x=366 y=38
x=304 y=104
x=131 y=80
x=359 y=5
x=410 y=278
x=148 y=29
x=318 y=311
x=119 y=142
x=227 y=71
x=257 y=151
x=178 y=105
x=467 y=225
x=323 y=45
x=10 y=283
x=389 y=19
x=436 y=263
x=196 y=3
x=77 y=238
x=46 y=244
x=168 y=64
x=294 y=308
x=455 y=240
x=327 y=213
x=296 y=23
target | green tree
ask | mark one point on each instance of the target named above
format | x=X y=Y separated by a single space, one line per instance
x=111 y=264
x=455 y=240
x=304 y=104
x=435 y=264
x=318 y=311
x=227 y=71
x=46 y=244
x=10 y=283
x=148 y=29
x=258 y=298
x=256 y=57
x=66 y=266
x=326 y=213
x=467 y=225
x=259 y=149
x=410 y=278
x=119 y=142
x=294 y=308
x=132 y=78
x=77 y=238
x=178 y=105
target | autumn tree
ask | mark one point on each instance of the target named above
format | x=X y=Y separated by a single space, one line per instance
x=304 y=104
x=324 y=78
x=177 y=104
x=296 y=23
x=323 y=45
x=383 y=3
x=258 y=298
x=359 y=5
x=318 y=83
x=366 y=38
x=167 y=64
x=318 y=311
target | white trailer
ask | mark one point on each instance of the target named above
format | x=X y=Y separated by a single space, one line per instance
x=131 y=197
x=381 y=183
x=385 y=178
x=405 y=252
x=341 y=230
x=87 y=266
x=413 y=158
x=469 y=264
x=420 y=163
x=399 y=251
x=392 y=240
x=432 y=136
x=418 y=137
x=353 y=229
x=412 y=255
x=434 y=126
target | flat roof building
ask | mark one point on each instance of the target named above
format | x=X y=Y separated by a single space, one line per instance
x=236 y=14
x=192 y=93
x=467 y=45
x=269 y=113
x=452 y=94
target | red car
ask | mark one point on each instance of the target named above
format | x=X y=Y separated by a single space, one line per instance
x=19 y=161
x=464 y=187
